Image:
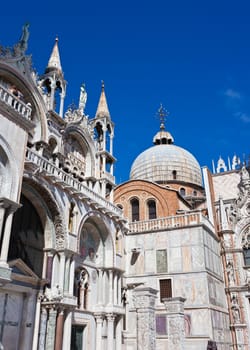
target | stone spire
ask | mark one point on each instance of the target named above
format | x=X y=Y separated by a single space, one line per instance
x=102 y=108
x=53 y=83
x=54 y=61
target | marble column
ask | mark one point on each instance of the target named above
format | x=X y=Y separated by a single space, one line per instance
x=42 y=331
x=100 y=287
x=49 y=266
x=59 y=330
x=72 y=277
x=67 y=331
x=51 y=330
x=67 y=275
x=36 y=323
x=110 y=287
x=144 y=303
x=110 y=330
x=115 y=288
x=10 y=207
x=119 y=295
x=61 y=104
x=118 y=335
x=2 y=211
x=99 y=321
x=61 y=270
x=52 y=95
x=6 y=239
x=176 y=322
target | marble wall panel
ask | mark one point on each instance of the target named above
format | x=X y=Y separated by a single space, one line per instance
x=150 y=262
x=175 y=260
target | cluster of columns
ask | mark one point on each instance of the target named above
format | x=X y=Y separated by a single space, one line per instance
x=113 y=279
x=51 y=328
x=114 y=331
x=60 y=268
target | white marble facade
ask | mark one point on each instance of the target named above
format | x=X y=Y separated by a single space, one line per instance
x=75 y=272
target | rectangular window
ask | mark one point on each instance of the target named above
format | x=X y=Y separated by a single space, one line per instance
x=246 y=253
x=76 y=337
x=161 y=261
x=165 y=289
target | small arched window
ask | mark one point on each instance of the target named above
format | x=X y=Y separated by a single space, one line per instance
x=151 y=209
x=182 y=191
x=174 y=173
x=135 y=209
x=195 y=193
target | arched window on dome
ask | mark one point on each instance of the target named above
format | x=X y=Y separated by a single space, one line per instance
x=174 y=173
x=151 y=209
x=182 y=192
x=135 y=209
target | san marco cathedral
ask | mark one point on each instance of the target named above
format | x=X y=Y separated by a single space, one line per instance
x=161 y=261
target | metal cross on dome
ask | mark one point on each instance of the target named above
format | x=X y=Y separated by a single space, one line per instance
x=162 y=114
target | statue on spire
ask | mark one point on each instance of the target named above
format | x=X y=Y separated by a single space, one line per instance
x=23 y=42
x=83 y=98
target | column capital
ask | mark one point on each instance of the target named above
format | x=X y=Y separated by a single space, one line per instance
x=9 y=204
x=144 y=297
x=174 y=305
x=99 y=317
x=110 y=317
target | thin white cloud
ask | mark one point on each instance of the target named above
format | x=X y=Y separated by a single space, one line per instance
x=232 y=94
x=244 y=117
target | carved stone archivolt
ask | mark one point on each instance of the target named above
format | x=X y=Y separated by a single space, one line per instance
x=245 y=240
x=54 y=210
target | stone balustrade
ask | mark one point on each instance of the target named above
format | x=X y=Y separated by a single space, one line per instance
x=169 y=222
x=108 y=176
x=69 y=181
x=15 y=103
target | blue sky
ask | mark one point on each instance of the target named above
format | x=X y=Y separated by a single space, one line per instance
x=191 y=56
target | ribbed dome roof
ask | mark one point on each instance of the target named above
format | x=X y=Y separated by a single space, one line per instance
x=166 y=162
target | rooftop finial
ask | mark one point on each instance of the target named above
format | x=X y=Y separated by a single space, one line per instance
x=102 y=85
x=162 y=114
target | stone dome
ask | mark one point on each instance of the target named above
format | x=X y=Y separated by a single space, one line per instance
x=163 y=163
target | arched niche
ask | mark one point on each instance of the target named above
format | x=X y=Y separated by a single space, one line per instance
x=95 y=244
